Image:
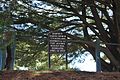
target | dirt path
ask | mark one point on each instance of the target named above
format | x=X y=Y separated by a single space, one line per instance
x=58 y=75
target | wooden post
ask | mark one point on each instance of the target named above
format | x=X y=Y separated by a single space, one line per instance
x=66 y=54
x=3 y=58
x=0 y=59
x=97 y=51
x=13 y=47
x=49 y=60
x=66 y=60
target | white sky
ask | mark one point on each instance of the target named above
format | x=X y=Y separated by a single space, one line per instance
x=88 y=65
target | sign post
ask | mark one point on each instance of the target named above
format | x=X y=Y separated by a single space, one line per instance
x=49 y=60
x=57 y=43
x=66 y=61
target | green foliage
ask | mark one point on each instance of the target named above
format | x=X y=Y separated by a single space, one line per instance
x=5 y=19
x=35 y=56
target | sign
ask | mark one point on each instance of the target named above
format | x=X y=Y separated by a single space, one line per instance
x=57 y=42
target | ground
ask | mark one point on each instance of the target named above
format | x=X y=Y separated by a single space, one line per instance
x=58 y=75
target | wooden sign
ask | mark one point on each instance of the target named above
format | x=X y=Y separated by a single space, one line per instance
x=57 y=42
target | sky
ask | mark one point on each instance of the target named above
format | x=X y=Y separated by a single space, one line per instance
x=88 y=65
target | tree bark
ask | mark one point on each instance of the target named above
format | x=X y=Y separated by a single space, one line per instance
x=9 y=58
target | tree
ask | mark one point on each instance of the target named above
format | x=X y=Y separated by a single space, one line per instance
x=6 y=36
x=80 y=19
x=102 y=18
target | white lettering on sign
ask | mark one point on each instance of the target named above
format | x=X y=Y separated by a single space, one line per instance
x=57 y=42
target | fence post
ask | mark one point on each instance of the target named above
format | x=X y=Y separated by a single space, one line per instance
x=13 y=47
x=97 y=51
x=0 y=59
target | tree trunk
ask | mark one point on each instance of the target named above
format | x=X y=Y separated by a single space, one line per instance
x=9 y=58
x=116 y=38
x=8 y=42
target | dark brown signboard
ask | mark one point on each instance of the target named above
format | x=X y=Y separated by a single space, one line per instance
x=57 y=42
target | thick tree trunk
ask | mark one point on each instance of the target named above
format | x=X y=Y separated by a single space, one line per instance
x=9 y=58
x=116 y=37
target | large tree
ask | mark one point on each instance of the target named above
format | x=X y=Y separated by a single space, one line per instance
x=79 y=19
